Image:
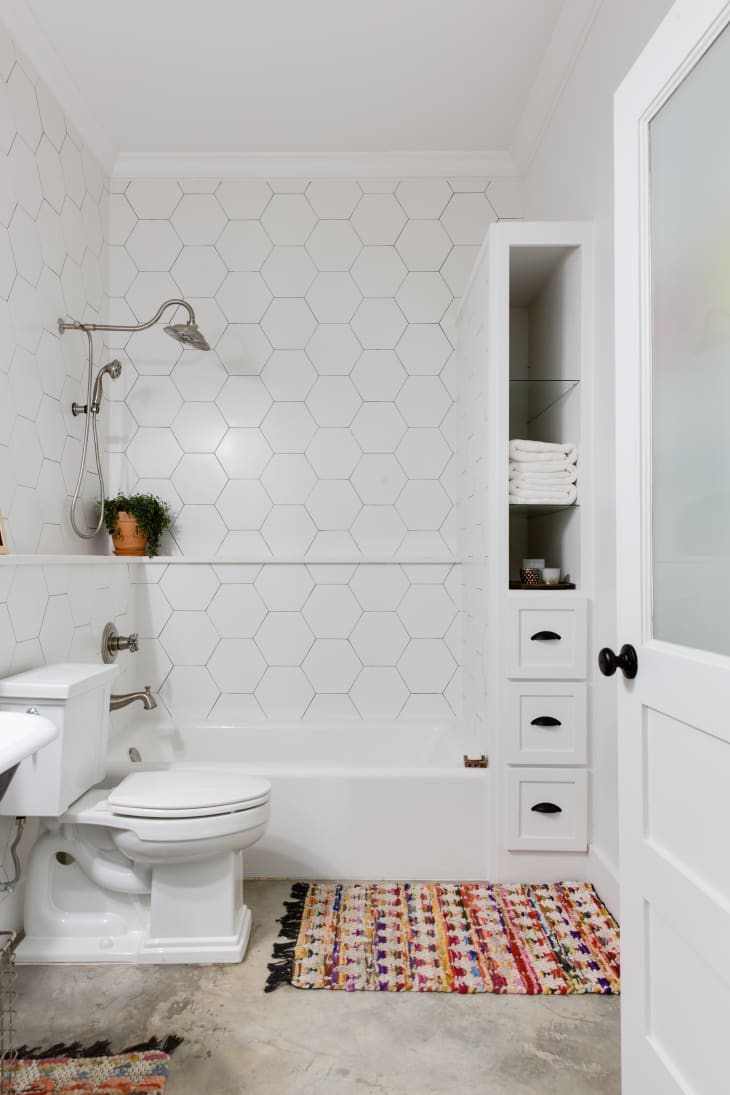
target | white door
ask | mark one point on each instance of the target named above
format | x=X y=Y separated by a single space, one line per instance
x=672 y=143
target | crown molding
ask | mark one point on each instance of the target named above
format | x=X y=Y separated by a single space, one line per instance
x=28 y=35
x=566 y=43
x=316 y=165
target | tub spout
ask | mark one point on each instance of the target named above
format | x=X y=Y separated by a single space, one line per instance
x=146 y=698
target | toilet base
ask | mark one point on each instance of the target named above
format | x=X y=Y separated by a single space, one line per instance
x=136 y=948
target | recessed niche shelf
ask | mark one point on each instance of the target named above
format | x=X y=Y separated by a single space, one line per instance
x=532 y=509
x=529 y=398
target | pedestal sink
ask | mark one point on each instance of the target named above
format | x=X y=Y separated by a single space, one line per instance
x=21 y=735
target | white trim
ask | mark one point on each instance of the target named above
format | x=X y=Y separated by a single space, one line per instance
x=25 y=29
x=567 y=40
x=316 y=165
x=604 y=875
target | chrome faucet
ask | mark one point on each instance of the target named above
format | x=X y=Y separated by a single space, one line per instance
x=146 y=698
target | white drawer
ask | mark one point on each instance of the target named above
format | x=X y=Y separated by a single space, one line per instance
x=545 y=722
x=560 y=822
x=546 y=641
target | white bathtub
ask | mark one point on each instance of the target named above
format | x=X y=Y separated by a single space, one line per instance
x=382 y=802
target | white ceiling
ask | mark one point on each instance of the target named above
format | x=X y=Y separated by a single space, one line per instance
x=242 y=77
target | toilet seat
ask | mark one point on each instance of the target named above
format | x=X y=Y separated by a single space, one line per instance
x=186 y=793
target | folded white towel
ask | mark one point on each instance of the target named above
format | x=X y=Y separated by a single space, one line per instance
x=565 y=495
x=542 y=451
x=543 y=473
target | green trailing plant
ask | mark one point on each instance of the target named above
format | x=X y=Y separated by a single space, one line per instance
x=152 y=514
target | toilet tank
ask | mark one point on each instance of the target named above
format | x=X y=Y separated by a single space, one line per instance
x=76 y=698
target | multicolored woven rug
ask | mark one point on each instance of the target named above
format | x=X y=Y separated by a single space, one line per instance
x=66 y=1070
x=447 y=937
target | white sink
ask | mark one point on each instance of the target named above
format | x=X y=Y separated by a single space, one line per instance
x=21 y=735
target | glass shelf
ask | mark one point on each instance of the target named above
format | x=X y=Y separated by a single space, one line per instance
x=530 y=398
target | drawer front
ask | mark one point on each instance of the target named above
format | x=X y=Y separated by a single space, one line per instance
x=547 y=642
x=560 y=823
x=545 y=723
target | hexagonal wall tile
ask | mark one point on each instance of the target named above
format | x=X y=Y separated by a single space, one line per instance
x=333 y=453
x=189 y=638
x=333 y=349
x=289 y=375
x=199 y=530
x=243 y=198
x=378 y=427
x=427 y=611
x=457 y=268
x=26 y=245
x=244 y=297
x=424 y=348
x=198 y=380
x=422 y=198
x=237 y=611
x=331 y=611
x=333 y=401
x=288 y=530
x=289 y=271
x=378 y=530
x=153 y=245
x=423 y=401
x=423 y=245
x=289 y=427
x=284 y=692
x=199 y=271
x=333 y=245
x=378 y=324
x=378 y=479
x=423 y=504
x=198 y=218
x=284 y=588
x=288 y=218
x=379 y=693
x=189 y=692
x=423 y=453
x=333 y=504
x=378 y=588
x=24 y=175
x=378 y=271
x=27 y=602
x=243 y=245
x=154 y=401
x=150 y=609
x=333 y=297
x=243 y=504
x=379 y=638
x=24 y=106
x=378 y=219
x=426 y=665
x=199 y=427
x=244 y=401
x=289 y=324
x=288 y=478
x=423 y=297
x=188 y=586
x=244 y=349
x=153 y=199
x=244 y=453
x=284 y=638
x=331 y=665
x=333 y=198
x=467 y=218
x=154 y=453
x=236 y=665
x=199 y=478
x=378 y=375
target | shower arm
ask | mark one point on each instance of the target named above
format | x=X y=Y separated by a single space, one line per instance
x=77 y=325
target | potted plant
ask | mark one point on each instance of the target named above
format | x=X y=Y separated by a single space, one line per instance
x=136 y=522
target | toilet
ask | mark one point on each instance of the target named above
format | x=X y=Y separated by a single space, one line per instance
x=147 y=871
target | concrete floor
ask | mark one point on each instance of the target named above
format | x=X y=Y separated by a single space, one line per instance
x=240 y=1040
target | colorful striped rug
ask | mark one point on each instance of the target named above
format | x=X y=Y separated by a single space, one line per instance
x=77 y=1070
x=447 y=937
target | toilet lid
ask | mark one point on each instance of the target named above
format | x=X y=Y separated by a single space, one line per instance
x=187 y=792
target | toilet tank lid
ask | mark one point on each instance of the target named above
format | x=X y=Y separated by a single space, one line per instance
x=56 y=682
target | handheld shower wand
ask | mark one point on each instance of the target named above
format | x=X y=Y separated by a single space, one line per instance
x=186 y=333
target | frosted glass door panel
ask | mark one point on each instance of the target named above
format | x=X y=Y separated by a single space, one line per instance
x=690 y=263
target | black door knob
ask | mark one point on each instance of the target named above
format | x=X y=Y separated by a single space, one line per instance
x=626 y=660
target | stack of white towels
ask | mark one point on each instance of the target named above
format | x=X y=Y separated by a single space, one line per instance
x=542 y=473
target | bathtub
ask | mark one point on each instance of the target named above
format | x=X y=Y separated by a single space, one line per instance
x=385 y=802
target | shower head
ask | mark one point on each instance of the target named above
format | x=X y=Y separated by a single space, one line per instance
x=188 y=334
x=114 y=370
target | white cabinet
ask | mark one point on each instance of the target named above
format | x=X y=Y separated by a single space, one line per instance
x=545 y=722
x=546 y=810
x=544 y=639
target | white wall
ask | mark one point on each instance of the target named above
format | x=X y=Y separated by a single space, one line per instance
x=571 y=177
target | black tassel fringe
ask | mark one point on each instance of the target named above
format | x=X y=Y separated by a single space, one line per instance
x=76 y=1050
x=281 y=971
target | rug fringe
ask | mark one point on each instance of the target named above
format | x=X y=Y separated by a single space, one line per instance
x=102 y=1048
x=281 y=972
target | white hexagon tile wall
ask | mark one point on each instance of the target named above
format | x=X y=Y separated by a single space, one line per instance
x=53 y=262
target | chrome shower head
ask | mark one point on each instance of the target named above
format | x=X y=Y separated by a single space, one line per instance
x=114 y=370
x=188 y=334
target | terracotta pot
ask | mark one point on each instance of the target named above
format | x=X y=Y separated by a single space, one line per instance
x=127 y=540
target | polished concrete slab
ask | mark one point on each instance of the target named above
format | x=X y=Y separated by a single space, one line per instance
x=240 y=1040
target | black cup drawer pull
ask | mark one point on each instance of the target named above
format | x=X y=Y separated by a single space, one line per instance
x=546 y=808
x=545 y=720
x=544 y=636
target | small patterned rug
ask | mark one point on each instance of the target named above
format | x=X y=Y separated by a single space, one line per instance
x=447 y=937
x=73 y=1070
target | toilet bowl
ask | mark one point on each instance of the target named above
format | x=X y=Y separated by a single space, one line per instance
x=148 y=871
